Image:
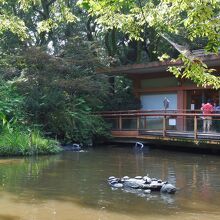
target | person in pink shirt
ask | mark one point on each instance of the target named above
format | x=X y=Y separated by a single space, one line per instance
x=207 y=109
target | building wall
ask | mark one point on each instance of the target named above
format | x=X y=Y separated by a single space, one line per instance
x=159 y=82
x=152 y=92
x=154 y=101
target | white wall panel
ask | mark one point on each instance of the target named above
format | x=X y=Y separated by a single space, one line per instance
x=155 y=101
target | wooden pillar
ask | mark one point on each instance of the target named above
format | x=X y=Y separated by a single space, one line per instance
x=180 y=108
x=120 y=123
x=136 y=87
x=138 y=122
x=145 y=122
x=195 y=128
x=164 y=126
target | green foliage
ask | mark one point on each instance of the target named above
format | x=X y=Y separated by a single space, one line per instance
x=193 y=19
x=112 y=14
x=202 y=75
x=48 y=15
x=16 y=138
x=56 y=79
x=200 y=19
x=86 y=126
x=13 y=24
x=11 y=103
x=34 y=22
x=61 y=94
x=40 y=145
x=16 y=141
x=122 y=97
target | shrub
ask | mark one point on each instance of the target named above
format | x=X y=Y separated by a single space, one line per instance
x=17 y=143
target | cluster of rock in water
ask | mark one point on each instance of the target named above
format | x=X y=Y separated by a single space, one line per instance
x=145 y=184
x=73 y=147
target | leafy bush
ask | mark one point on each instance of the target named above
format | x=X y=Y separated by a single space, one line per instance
x=17 y=142
x=122 y=97
x=11 y=103
x=42 y=145
x=16 y=137
x=61 y=95
x=77 y=123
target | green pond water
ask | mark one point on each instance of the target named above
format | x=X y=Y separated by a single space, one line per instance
x=73 y=186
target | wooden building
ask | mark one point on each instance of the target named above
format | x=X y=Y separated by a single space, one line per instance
x=153 y=84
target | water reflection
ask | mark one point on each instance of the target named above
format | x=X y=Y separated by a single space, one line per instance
x=80 y=179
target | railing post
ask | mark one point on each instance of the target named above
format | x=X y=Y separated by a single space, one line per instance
x=145 y=122
x=195 y=128
x=164 y=126
x=138 y=123
x=120 y=123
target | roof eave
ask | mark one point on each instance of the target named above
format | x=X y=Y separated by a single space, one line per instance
x=156 y=66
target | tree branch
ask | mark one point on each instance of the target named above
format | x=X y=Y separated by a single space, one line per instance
x=50 y=2
x=39 y=11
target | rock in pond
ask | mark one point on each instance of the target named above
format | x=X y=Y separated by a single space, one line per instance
x=168 y=188
x=144 y=184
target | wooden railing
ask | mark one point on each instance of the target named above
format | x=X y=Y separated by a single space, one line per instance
x=164 y=122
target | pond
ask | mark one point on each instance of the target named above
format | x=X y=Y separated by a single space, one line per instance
x=73 y=186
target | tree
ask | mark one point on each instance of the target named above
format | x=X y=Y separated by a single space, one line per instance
x=168 y=18
x=61 y=93
x=52 y=63
x=194 y=19
x=35 y=22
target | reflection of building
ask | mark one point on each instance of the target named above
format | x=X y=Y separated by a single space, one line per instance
x=152 y=83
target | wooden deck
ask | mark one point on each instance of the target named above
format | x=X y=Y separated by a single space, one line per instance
x=186 y=130
x=184 y=134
